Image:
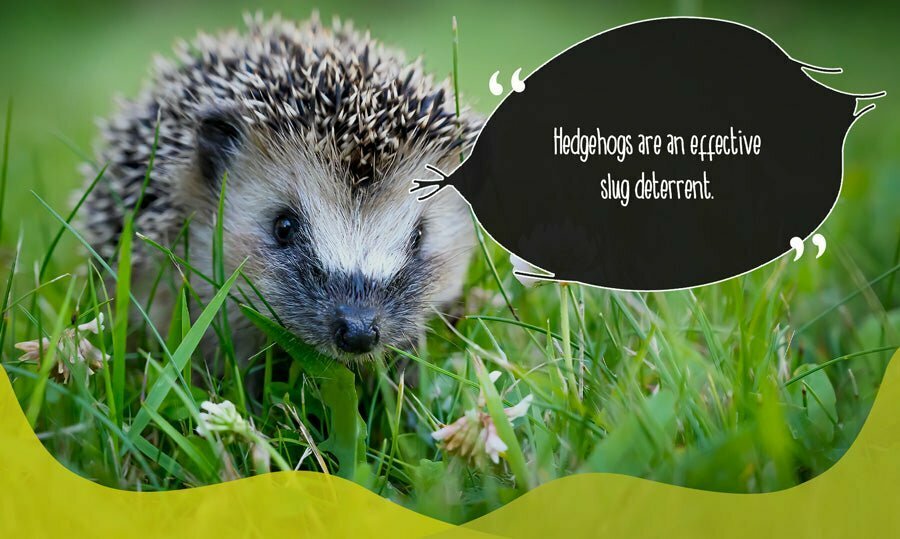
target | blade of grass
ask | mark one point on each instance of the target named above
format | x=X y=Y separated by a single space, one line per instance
x=179 y=327
x=494 y=403
x=712 y=342
x=821 y=366
x=148 y=173
x=821 y=404
x=455 y=30
x=156 y=454
x=4 y=163
x=74 y=148
x=34 y=290
x=261 y=298
x=890 y=285
x=180 y=358
x=104 y=358
x=53 y=243
x=7 y=291
x=433 y=367
x=394 y=423
x=190 y=269
x=226 y=345
x=632 y=321
x=490 y=261
x=525 y=325
x=183 y=444
x=571 y=384
x=120 y=326
x=162 y=266
x=187 y=399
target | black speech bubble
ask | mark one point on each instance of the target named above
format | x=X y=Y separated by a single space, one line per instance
x=684 y=76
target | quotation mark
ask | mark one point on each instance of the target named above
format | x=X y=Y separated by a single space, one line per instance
x=515 y=81
x=817 y=239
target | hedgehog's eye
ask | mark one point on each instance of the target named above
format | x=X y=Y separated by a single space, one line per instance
x=415 y=241
x=285 y=229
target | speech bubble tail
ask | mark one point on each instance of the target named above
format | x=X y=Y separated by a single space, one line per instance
x=424 y=184
x=439 y=183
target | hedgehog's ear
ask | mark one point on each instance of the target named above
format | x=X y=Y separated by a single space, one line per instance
x=220 y=134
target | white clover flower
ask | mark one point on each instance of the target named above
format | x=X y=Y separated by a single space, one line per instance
x=224 y=418
x=221 y=417
x=32 y=349
x=520 y=409
x=95 y=326
x=73 y=348
x=474 y=435
x=493 y=445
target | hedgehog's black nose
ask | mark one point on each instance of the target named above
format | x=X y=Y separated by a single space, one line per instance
x=355 y=330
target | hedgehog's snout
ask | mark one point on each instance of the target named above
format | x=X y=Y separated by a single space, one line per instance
x=355 y=329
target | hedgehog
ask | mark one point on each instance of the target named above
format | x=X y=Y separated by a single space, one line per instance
x=316 y=134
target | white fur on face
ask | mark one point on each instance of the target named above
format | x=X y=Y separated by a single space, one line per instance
x=367 y=234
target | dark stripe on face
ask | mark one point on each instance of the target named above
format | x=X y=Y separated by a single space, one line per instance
x=355 y=288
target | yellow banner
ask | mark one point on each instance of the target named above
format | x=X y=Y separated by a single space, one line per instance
x=858 y=497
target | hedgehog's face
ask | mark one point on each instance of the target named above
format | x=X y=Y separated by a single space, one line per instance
x=349 y=269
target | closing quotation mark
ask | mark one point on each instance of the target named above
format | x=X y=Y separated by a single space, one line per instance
x=515 y=81
x=817 y=239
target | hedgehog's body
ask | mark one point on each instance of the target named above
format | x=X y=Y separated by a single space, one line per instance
x=319 y=133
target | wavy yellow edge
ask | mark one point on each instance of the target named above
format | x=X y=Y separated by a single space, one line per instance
x=859 y=497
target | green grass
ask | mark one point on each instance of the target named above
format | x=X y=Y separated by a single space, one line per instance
x=712 y=388
x=750 y=385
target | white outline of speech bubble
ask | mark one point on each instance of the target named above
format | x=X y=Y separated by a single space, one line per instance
x=550 y=276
